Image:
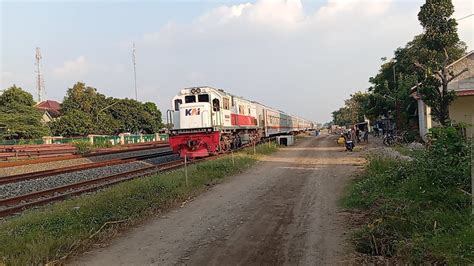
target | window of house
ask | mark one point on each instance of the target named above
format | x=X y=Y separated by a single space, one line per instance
x=190 y=99
x=203 y=98
x=177 y=103
x=225 y=103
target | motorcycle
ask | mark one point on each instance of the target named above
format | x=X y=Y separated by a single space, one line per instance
x=388 y=139
x=349 y=145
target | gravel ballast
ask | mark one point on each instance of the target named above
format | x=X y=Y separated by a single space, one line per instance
x=16 y=170
x=23 y=169
x=102 y=158
x=163 y=159
x=34 y=185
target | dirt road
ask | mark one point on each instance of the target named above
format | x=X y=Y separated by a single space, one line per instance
x=282 y=211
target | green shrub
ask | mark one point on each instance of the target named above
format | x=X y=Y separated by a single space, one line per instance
x=83 y=147
x=420 y=210
x=448 y=158
x=103 y=144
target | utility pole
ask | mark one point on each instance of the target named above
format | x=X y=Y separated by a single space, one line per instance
x=39 y=78
x=397 y=100
x=135 y=71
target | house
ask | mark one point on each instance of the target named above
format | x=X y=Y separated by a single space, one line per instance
x=50 y=110
x=462 y=108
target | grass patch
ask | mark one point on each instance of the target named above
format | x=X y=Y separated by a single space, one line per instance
x=48 y=234
x=407 y=151
x=418 y=211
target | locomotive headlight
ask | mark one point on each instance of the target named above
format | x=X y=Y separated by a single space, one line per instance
x=198 y=90
x=193 y=90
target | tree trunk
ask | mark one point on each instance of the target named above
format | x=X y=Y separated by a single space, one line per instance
x=444 y=110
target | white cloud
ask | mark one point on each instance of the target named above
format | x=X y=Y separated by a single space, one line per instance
x=274 y=52
x=76 y=68
x=361 y=7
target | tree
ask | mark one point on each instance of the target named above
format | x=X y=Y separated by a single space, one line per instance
x=84 y=98
x=155 y=116
x=73 y=123
x=341 y=116
x=18 y=118
x=86 y=111
x=442 y=47
x=16 y=97
x=354 y=110
x=136 y=117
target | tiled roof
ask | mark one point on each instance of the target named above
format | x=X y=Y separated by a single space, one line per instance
x=465 y=93
x=51 y=106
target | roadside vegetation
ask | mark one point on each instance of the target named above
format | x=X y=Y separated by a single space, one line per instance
x=418 y=211
x=423 y=63
x=19 y=119
x=86 y=111
x=83 y=111
x=55 y=232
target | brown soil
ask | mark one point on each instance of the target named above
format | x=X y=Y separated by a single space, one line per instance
x=282 y=211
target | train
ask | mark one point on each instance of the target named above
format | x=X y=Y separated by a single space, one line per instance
x=208 y=121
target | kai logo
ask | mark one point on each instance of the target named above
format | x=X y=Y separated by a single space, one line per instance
x=192 y=111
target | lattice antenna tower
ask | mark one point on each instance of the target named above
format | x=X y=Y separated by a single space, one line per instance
x=135 y=71
x=39 y=77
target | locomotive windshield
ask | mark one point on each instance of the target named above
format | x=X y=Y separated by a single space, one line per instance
x=190 y=99
x=203 y=98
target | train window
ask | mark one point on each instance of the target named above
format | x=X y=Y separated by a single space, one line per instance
x=203 y=98
x=177 y=103
x=215 y=105
x=225 y=103
x=190 y=99
x=241 y=110
x=248 y=109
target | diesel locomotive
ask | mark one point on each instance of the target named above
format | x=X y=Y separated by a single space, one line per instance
x=209 y=121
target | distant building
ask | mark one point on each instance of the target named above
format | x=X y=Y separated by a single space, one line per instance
x=50 y=110
x=462 y=108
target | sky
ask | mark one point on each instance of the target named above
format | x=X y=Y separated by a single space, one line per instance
x=302 y=57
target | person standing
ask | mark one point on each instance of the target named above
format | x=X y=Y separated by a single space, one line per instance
x=357 y=132
x=366 y=135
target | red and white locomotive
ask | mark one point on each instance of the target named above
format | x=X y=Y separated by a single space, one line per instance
x=208 y=121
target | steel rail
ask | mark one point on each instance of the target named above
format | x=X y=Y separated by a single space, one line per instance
x=130 y=148
x=116 y=178
x=74 y=168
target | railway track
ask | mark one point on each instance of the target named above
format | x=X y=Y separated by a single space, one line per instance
x=16 y=204
x=46 y=173
x=52 y=156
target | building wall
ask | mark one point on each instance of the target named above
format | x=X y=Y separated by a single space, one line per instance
x=459 y=83
x=424 y=119
x=462 y=110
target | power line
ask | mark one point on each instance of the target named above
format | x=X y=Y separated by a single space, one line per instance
x=465 y=17
x=135 y=71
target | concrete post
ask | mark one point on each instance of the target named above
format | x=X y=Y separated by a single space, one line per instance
x=122 y=139
x=91 y=139
x=48 y=140
x=157 y=137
